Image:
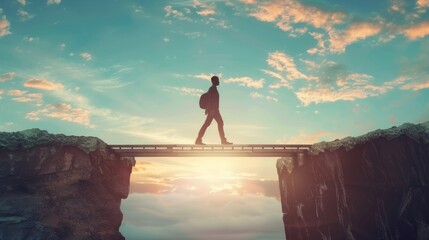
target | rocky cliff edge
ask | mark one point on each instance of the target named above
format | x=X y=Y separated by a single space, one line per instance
x=375 y=186
x=60 y=187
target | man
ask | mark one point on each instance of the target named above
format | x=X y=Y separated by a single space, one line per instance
x=212 y=112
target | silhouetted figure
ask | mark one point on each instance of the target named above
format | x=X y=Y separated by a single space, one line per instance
x=212 y=112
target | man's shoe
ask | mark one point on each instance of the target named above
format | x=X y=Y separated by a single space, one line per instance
x=225 y=142
x=199 y=142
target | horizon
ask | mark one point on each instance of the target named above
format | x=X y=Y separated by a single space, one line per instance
x=291 y=72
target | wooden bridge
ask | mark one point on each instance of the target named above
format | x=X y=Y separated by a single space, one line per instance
x=188 y=150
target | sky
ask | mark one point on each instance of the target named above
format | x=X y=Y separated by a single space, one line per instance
x=291 y=71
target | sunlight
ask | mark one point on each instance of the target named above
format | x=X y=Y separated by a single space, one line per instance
x=208 y=175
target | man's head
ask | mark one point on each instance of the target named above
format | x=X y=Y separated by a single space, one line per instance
x=215 y=80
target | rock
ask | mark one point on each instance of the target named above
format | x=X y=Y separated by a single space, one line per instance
x=60 y=187
x=370 y=187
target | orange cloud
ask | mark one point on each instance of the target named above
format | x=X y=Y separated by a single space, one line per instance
x=30 y=98
x=268 y=12
x=418 y=30
x=415 y=86
x=61 y=111
x=248 y=1
x=310 y=95
x=22 y=96
x=4 y=26
x=321 y=48
x=42 y=84
x=284 y=63
x=285 y=13
x=282 y=81
x=355 y=32
x=16 y=93
x=206 y=12
x=421 y=4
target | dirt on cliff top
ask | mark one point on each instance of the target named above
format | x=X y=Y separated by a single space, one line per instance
x=33 y=137
x=418 y=132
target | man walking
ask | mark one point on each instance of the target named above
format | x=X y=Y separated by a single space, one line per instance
x=212 y=112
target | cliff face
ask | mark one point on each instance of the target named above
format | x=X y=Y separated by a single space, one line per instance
x=60 y=187
x=370 y=187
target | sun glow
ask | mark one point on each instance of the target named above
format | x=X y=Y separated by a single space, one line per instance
x=231 y=176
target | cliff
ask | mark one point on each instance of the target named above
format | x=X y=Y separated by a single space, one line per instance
x=369 y=187
x=60 y=187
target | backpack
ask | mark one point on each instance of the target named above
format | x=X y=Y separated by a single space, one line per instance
x=204 y=100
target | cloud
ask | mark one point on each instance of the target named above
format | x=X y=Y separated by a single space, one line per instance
x=23 y=96
x=321 y=44
x=415 y=86
x=282 y=81
x=339 y=40
x=42 y=84
x=16 y=93
x=4 y=26
x=289 y=12
x=261 y=96
x=336 y=83
x=23 y=2
x=304 y=137
x=246 y=82
x=50 y=2
x=156 y=188
x=36 y=98
x=408 y=83
x=310 y=64
x=166 y=40
x=248 y=1
x=418 y=30
x=204 y=186
x=319 y=94
x=194 y=35
x=176 y=14
x=205 y=76
x=204 y=9
x=7 y=76
x=333 y=82
x=165 y=175
x=285 y=64
x=30 y=39
x=421 y=5
x=24 y=15
x=209 y=217
x=61 y=111
x=86 y=56
x=108 y=84
x=190 y=91
x=206 y=12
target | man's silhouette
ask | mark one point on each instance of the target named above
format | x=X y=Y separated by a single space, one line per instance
x=212 y=112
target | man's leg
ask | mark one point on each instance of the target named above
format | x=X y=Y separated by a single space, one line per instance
x=219 y=121
x=203 y=129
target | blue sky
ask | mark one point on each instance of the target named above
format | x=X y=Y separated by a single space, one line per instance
x=292 y=71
